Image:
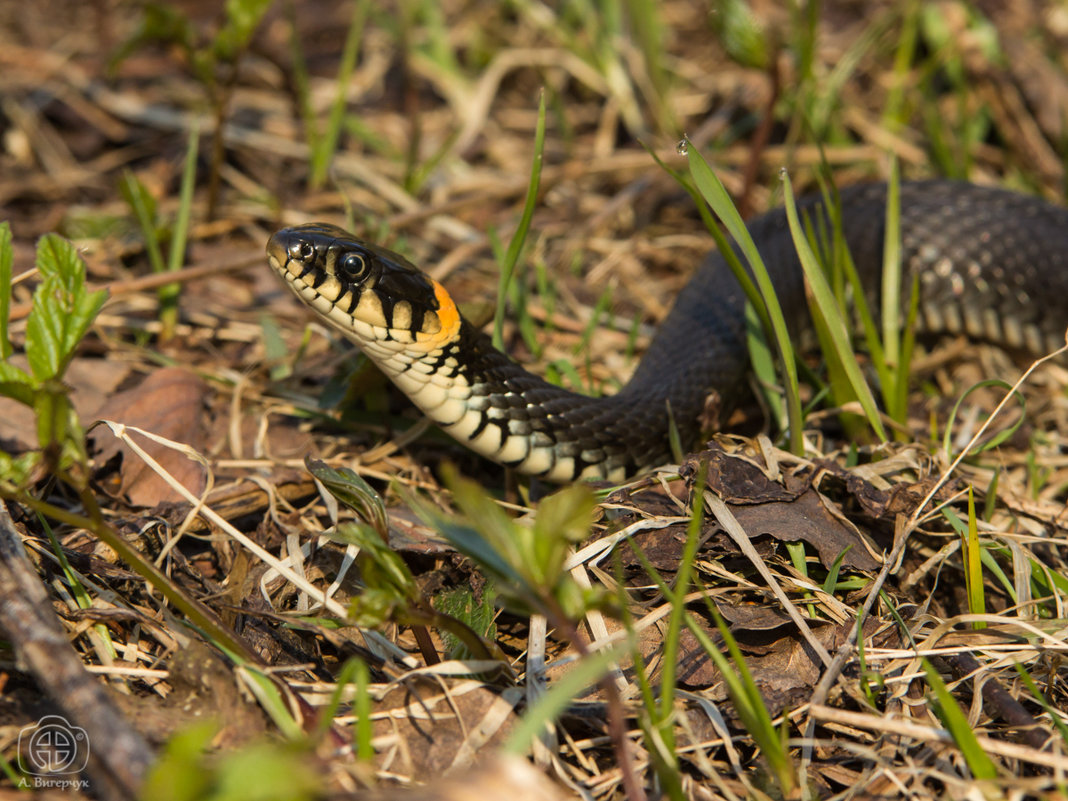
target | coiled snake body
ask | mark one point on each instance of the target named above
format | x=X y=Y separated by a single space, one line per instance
x=991 y=263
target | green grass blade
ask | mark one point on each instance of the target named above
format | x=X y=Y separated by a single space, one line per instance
x=832 y=575
x=752 y=294
x=168 y=294
x=324 y=146
x=715 y=194
x=894 y=112
x=896 y=390
x=827 y=307
x=585 y=673
x=355 y=672
x=143 y=206
x=748 y=702
x=973 y=566
x=1056 y=715
x=515 y=246
x=185 y=201
x=301 y=80
x=956 y=722
x=739 y=682
x=1000 y=436
x=676 y=618
x=362 y=711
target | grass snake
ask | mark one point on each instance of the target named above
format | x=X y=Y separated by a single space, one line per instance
x=991 y=264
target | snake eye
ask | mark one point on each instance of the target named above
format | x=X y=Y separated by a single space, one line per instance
x=302 y=250
x=353 y=266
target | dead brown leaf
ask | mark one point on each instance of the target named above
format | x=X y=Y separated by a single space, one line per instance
x=169 y=403
x=808 y=519
x=784 y=668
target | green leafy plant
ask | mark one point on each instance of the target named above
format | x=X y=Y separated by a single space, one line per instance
x=525 y=562
x=63 y=309
x=391 y=592
x=188 y=770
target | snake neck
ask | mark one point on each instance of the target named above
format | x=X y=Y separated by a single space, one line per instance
x=478 y=395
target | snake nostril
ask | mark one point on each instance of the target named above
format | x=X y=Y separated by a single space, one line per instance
x=301 y=250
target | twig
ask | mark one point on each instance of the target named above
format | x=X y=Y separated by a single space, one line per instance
x=120 y=759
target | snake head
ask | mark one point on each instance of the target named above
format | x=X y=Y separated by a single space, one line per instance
x=374 y=296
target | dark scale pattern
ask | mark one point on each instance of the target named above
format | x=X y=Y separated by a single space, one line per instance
x=975 y=249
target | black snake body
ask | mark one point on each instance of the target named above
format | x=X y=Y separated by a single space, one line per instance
x=991 y=263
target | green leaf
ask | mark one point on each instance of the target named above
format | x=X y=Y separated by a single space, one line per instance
x=45 y=333
x=380 y=566
x=62 y=310
x=563 y=518
x=475 y=544
x=16 y=470
x=16 y=383
x=179 y=774
x=478 y=614
x=525 y=561
x=374 y=606
x=268 y=771
x=354 y=492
